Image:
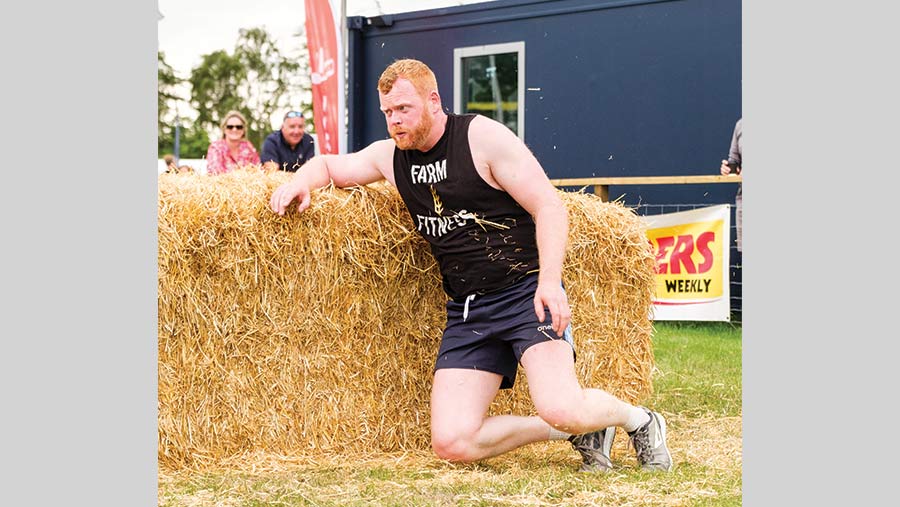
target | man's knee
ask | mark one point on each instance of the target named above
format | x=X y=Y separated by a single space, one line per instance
x=563 y=415
x=454 y=446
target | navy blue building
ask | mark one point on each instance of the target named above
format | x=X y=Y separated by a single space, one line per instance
x=593 y=87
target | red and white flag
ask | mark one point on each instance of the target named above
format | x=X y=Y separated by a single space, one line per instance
x=326 y=58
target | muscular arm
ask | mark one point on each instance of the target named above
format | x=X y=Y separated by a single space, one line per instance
x=513 y=168
x=371 y=164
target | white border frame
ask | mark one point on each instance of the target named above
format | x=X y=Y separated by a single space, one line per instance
x=491 y=49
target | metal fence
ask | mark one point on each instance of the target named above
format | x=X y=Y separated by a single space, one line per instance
x=600 y=187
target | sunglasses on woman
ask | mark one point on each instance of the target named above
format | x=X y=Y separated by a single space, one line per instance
x=230 y=127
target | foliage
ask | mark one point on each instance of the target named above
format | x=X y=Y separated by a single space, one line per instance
x=214 y=88
x=256 y=79
x=192 y=140
x=269 y=78
x=166 y=84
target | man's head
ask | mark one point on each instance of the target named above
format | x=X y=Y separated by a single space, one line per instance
x=409 y=98
x=292 y=127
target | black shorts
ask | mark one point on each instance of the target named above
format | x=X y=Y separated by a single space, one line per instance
x=491 y=332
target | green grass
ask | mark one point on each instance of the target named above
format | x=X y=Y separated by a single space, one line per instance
x=697 y=386
x=698 y=369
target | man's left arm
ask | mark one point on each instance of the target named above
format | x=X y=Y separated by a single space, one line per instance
x=515 y=169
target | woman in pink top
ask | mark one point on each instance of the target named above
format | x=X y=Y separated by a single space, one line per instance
x=233 y=150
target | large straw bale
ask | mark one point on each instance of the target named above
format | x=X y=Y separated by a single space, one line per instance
x=317 y=332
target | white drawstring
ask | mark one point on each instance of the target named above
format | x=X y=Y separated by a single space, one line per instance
x=466 y=308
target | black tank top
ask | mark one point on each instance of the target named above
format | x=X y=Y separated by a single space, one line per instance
x=482 y=238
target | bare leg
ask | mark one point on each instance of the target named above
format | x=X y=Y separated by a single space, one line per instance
x=558 y=397
x=460 y=430
x=460 y=398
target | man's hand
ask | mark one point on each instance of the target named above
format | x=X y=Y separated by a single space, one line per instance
x=554 y=298
x=286 y=193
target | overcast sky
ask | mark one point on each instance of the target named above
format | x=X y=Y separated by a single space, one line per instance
x=192 y=28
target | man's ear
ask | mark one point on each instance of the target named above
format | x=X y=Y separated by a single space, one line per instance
x=435 y=100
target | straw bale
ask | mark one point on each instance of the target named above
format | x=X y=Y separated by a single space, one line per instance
x=317 y=332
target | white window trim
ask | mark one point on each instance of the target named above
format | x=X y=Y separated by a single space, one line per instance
x=491 y=49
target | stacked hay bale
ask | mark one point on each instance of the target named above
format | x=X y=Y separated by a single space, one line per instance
x=316 y=332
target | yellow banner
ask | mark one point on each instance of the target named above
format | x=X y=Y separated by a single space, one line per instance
x=692 y=259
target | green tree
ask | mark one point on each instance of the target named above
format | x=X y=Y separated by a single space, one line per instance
x=214 y=88
x=302 y=81
x=166 y=82
x=166 y=95
x=268 y=81
x=192 y=140
x=257 y=80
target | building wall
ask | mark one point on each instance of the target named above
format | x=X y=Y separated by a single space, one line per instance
x=626 y=88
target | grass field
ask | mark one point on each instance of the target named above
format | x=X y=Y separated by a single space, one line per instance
x=697 y=386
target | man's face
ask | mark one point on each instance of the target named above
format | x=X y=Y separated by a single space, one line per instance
x=408 y=118
x=292 y=130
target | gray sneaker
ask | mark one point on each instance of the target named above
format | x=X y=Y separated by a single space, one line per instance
x=594 y=448
x=649 y=443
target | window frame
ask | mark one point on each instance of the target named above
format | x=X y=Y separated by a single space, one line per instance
x=517 y=47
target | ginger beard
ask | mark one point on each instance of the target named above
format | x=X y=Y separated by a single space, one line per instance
x=416 y=137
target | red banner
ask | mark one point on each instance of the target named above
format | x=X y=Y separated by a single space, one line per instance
x=324 y=58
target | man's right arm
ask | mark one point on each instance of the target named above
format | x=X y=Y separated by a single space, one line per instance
x=310 y=150
x=371 y=164
x=269 y=153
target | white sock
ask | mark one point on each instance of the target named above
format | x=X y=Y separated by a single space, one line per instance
x=555 y=434
x=637 y=417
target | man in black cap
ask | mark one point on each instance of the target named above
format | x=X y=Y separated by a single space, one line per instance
x=290 y=147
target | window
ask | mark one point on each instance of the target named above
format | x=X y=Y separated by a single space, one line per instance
x=490 y=80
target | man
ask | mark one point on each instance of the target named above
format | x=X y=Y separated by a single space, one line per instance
x=498 y=230
x=289 y=148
